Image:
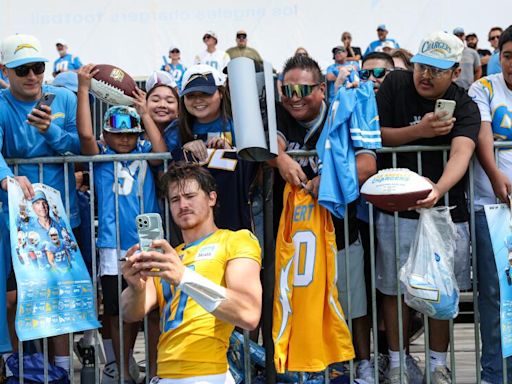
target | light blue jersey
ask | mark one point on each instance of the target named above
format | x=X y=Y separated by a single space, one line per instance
x=177 y=71
x=18 y=139
x=61 y=256
x=135 y=180
x=66 y=63
x=377 y=43
x=494 y=65
x=352 y=123
x=335 y=70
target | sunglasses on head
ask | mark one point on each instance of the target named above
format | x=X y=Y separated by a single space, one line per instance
x=23 y=70
x=378 y=73
x=302 y=90
x=241 y=36
x=123 y=122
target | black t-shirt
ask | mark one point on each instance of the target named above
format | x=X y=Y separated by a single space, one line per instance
x=399 y=106
x=294 y=134
x=357 y=51
x=482 y=53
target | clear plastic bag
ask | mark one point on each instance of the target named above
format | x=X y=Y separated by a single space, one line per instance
x=428 y=276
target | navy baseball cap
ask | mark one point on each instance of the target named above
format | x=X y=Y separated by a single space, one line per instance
x=201 y=78
x=381 y=27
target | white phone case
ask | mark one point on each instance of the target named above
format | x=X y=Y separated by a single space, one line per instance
x=443 y=105
x=149 y=228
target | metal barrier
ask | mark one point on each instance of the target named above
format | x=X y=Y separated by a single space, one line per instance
x=268 y=262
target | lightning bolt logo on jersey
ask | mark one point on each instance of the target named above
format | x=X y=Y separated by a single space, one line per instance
x=309 y=328
x=193 y=342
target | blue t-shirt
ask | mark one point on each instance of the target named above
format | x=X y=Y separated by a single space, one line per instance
x=335 y=70
x=177 y=71
x=66 y=63
x=377 y=43
x=18 y=139
x=494 y=65
x=130 y=175
x=202 y=131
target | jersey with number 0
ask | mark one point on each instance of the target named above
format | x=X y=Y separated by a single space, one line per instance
x=309 y=328
x=137 y=194
x=67 y=63
x=217 y=59
x=193 y=342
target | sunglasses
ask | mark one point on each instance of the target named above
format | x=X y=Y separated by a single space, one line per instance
x=123 y=122
x=378 y=73
x=175 y=51
x=302 y=90
x=434 y=72
x=23 y=70
x=241 y=37
x=206 y=37
x=491 y=38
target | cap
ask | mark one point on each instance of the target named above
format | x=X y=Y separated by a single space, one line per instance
x=39 y=195
x=338 y=48
x=173 y=47
x=381 y=27
x=211 y=33
x=160 y=78
x=128 y=121
x=67 y=80
x=472 y=34
x=458 y=31
x=21 y=49
x=201 y=78
x=241 y=32
x=439 y=49
x=61 y=42
x=385 y=44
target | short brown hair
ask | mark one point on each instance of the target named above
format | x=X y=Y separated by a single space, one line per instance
x=182 y=171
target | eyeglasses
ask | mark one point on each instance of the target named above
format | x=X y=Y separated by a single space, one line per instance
x=241 y=37
x=206 y=37
x=434 y=72
x=175 y=51
x=23 y=70
x=491 y=38
x=378 y=73
x=302 y=90
x=123 y=122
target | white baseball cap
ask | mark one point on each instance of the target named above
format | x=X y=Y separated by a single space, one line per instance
x=21 y=49
x=61 y=42
x=439 y=49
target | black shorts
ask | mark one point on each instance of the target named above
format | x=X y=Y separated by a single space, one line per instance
x=110 y=297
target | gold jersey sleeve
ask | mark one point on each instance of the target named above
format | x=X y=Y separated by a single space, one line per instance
x=192 y=341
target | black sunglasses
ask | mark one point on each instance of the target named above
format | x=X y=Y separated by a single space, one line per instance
x=378 y=73
x=302 y=90
x=241 y=36
x=23 y=70
x=207 y=37
x=175 y=51
x=494 y=37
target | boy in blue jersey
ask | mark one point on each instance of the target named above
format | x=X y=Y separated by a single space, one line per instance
x=26 y=132
x=66 y=61
x=174 y=67
x=135 y=189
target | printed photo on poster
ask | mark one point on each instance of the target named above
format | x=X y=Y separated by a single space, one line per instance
x=55 y=293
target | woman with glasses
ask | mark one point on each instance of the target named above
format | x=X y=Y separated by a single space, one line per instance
x=493 y=94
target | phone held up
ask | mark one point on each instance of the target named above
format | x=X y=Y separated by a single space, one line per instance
x=149 y=228
x=46 y=99
x=443 y=105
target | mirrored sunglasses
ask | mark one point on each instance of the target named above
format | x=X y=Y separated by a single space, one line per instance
x=123 y=122
x=302 y=90
x=378 y=73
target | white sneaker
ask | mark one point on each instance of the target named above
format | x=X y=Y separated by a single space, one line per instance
x=414 y=371
x=441 y=375
x=110 y=374
x=394 y=376
x=365 y=371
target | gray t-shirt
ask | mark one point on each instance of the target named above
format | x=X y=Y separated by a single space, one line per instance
x=469 y=62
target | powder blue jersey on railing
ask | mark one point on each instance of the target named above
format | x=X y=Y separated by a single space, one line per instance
x=18 y=139
x=130 y=175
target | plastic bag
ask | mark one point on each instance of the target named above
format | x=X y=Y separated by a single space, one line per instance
x=428 y=276
x=33 y=370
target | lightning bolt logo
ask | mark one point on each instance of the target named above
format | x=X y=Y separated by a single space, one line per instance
x=21 y=46
x=283 y=298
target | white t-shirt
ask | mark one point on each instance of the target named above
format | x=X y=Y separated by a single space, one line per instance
x=494 y=100
x=217 y=59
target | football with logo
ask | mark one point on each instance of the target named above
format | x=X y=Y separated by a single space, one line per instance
x=395 y=189
x=113 y=85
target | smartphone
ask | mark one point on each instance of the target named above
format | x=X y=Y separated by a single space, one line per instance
x=443 y=105
x=149 y=228
x=47 y=99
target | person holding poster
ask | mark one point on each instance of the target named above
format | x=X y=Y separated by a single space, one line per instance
x=28 y=132
x=493 y=94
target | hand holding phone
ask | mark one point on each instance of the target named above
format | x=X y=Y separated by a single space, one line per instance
x=46 y=99
x=447 y=106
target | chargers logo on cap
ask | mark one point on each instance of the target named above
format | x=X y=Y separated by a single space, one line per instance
x=439 y=47
x=21 y=46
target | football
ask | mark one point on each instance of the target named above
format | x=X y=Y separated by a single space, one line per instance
x=395 y=189
x=113 y=85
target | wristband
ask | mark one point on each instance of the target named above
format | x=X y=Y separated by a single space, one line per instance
x=206 y=293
